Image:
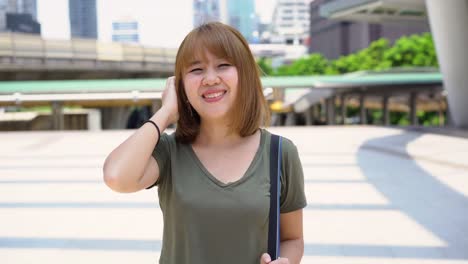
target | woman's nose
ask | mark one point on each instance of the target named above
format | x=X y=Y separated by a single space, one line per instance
x=211 y=77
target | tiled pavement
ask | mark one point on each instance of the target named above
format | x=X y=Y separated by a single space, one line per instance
x=376 y=195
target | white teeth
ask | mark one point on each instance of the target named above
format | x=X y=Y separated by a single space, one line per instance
x=214 y=95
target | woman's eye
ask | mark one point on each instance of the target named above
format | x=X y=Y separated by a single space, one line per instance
x=195 y=70
x=222 y=65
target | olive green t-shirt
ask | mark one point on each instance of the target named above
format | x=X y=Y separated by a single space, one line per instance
x=207 y=221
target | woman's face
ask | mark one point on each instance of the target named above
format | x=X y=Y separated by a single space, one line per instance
x=211 y=87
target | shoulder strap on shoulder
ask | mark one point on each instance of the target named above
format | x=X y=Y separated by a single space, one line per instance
x=274 y=220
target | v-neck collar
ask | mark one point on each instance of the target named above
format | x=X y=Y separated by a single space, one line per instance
x=244 y=177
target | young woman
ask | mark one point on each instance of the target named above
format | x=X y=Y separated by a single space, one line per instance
x=212 y=174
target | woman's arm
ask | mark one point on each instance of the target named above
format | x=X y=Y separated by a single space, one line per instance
x=130 y=167
x=292 y=240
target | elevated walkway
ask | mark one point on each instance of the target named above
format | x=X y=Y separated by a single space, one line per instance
x=30 y=57
x=291 y=95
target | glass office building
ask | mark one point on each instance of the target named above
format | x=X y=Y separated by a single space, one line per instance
x=83 y=18
x=125 y=30
x=17 y=8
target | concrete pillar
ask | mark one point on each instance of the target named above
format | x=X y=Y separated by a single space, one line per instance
x=58 y=122
x=309 y=116
x=316 y=112
x=413 y=104
x=448 y=118
x=115 y=117
x=343 y=109
x=386 y=114
x=330 y=110
x=275 y=119
x=448 y=21
x=290 y=119
x=441 y=113
x=94 y=120
x=362 y=108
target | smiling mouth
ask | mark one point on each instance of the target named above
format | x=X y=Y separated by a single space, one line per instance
x=213 y=95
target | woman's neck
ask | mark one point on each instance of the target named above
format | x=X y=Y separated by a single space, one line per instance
x=217 y=134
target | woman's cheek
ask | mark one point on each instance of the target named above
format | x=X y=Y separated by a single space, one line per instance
x=190 y=86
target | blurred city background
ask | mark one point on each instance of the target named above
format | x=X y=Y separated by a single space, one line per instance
x=373 y=92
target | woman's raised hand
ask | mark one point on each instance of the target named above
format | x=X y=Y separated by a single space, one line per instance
x=169 y=101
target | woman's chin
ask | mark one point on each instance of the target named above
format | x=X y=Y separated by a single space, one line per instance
x=214 y=117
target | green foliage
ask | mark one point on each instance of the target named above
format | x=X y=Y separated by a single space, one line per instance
x=412 y=51
x=265 y=66
x=370 y=58
x=40 y=109
x=397 y=118
x=428 y=118
x=377 y=116
x=314 y=64
x=352 y=111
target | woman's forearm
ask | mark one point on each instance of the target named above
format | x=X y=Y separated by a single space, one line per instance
x=125 y=165
x=292 y=250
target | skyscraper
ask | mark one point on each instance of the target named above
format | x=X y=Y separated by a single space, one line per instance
x=290 y=23
x=125 y=30
x=205 y=11
x=21 y=12
x=237 y=13
x=241 y=15
x=83 y=18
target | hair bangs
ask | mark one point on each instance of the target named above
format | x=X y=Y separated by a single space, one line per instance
x=208 y=38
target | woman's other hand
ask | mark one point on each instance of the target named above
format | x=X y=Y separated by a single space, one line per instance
x=266 y=259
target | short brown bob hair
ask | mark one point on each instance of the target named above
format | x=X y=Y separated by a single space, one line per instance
x=250 y=109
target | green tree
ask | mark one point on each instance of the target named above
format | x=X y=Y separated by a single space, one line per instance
x=415 y=50
x=314 y=64
x=370 y=58
x=265 y=66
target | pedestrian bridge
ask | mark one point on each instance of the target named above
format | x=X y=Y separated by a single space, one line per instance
x=291 y=97
x=27 y=57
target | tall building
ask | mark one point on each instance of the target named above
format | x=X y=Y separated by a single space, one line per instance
x=206 y=11
x=125 y=30
x=19 y=16
x=240 y=14
x=290 y=22
x=83 y=18
x=334 y=38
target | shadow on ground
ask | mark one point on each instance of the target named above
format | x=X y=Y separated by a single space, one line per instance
x=412 y=191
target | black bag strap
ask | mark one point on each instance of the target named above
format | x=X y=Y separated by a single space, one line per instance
x=274 y=221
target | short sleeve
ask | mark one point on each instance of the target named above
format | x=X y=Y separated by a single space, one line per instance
x=161 y=154
x=292 y=179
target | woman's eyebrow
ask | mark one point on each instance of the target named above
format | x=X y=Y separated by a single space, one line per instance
x=193 y=63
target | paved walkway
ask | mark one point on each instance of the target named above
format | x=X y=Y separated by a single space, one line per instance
x=376 y=195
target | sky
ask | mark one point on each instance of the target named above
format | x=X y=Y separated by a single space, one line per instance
x=163 y=23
